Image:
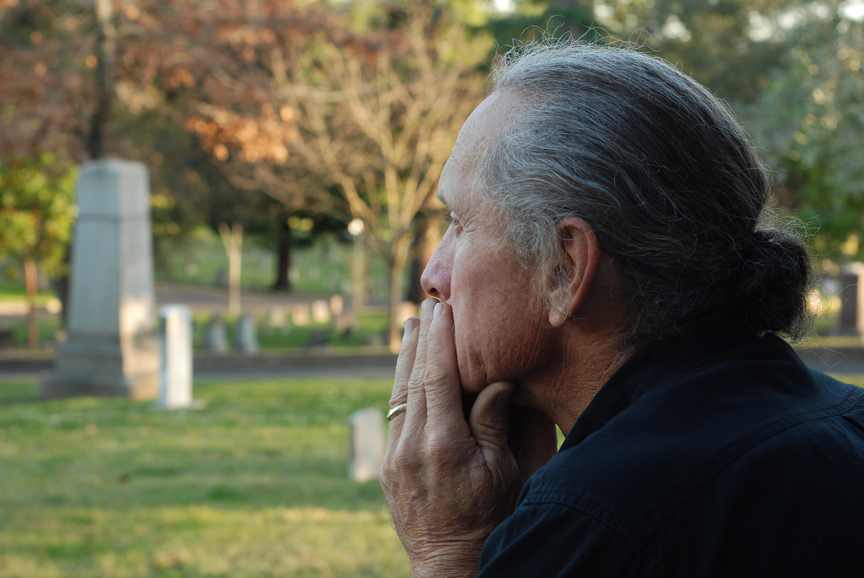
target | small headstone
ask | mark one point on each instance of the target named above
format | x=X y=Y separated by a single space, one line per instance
x=851 y=282
x=345 y=322
x=176 y=332
x=246 y=335
x=367 y=444
x=300 y=314
x=337 y=304
x=216 y=336
x=320 y=311
x=276 y=320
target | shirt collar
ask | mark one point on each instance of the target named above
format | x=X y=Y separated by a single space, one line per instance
x=641 y=372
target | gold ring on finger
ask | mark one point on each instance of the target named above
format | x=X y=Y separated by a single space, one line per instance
x=394 y=411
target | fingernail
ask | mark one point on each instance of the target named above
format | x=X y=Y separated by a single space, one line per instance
x=428 y=308
x=409 y=329
x=503 y=397
x=439 y=309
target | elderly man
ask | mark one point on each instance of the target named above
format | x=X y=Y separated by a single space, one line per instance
x=611 y=267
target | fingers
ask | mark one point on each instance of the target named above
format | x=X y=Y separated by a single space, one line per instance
x=415 y=417
x=404 y=365
x=405 y=362
x=441 y=373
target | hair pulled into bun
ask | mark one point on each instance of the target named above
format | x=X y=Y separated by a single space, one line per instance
x=774 y=279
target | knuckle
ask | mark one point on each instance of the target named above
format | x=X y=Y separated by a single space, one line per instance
x=439 y=455
x=402 y=462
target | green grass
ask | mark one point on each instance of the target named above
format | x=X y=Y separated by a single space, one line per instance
x=17 y=291
x=254 y=484
x=48 y=327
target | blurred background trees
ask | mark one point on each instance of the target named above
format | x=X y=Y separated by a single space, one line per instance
x=294 y=119
x=37 y=210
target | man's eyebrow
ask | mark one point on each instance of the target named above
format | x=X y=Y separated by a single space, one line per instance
x=440 y=196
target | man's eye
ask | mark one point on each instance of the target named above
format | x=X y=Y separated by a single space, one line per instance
x=454 y=221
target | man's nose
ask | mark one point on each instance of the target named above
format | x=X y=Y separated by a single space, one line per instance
x=436 y=277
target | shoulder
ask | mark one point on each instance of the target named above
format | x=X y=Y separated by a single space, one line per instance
x=667 y=469
x=693 y=427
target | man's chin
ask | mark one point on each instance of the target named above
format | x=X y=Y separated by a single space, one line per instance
x=470 y=385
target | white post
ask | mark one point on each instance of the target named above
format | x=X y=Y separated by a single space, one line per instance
x=367 y=444
x=176 y=329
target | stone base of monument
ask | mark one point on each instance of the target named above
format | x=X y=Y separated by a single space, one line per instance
x=128 y=369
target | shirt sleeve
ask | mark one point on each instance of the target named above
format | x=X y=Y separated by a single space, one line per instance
x=554 y=540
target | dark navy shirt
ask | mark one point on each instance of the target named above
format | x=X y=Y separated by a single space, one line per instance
x=720 y=455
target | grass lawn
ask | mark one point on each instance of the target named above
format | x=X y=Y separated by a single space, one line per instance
x=254 y=484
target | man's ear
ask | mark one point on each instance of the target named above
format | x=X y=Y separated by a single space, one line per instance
x=570 y=281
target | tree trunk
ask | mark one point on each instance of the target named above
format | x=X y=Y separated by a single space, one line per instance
x=283 y=256
x=358 y=272
x=105 y=48
x=399 y=257
x=232 y=238
x=31 y=280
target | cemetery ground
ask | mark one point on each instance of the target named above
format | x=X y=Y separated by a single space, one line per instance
x=253 y=484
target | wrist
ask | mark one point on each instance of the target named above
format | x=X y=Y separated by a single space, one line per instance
x=440 y=563
x=433 y=570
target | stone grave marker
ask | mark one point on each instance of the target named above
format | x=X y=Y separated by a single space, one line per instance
x=345 y=322
x=851 y=284
x=112 y=347
x=300 y=314
x=246 y=335
x=176 y=332
x=216 y=335
x=320 y=311
x=337 y=305
x=276 y=320
x=367 y=444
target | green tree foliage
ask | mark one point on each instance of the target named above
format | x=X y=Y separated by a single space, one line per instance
x=532 y=18
x=810 y=123
x=37 y=211
x=36 y=215
x=792 y=71
x=731 y=46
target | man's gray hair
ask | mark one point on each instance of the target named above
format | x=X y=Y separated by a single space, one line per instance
x=677 y=196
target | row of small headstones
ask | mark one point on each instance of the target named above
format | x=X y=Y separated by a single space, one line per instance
x=302 y=314
x=341 y=318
